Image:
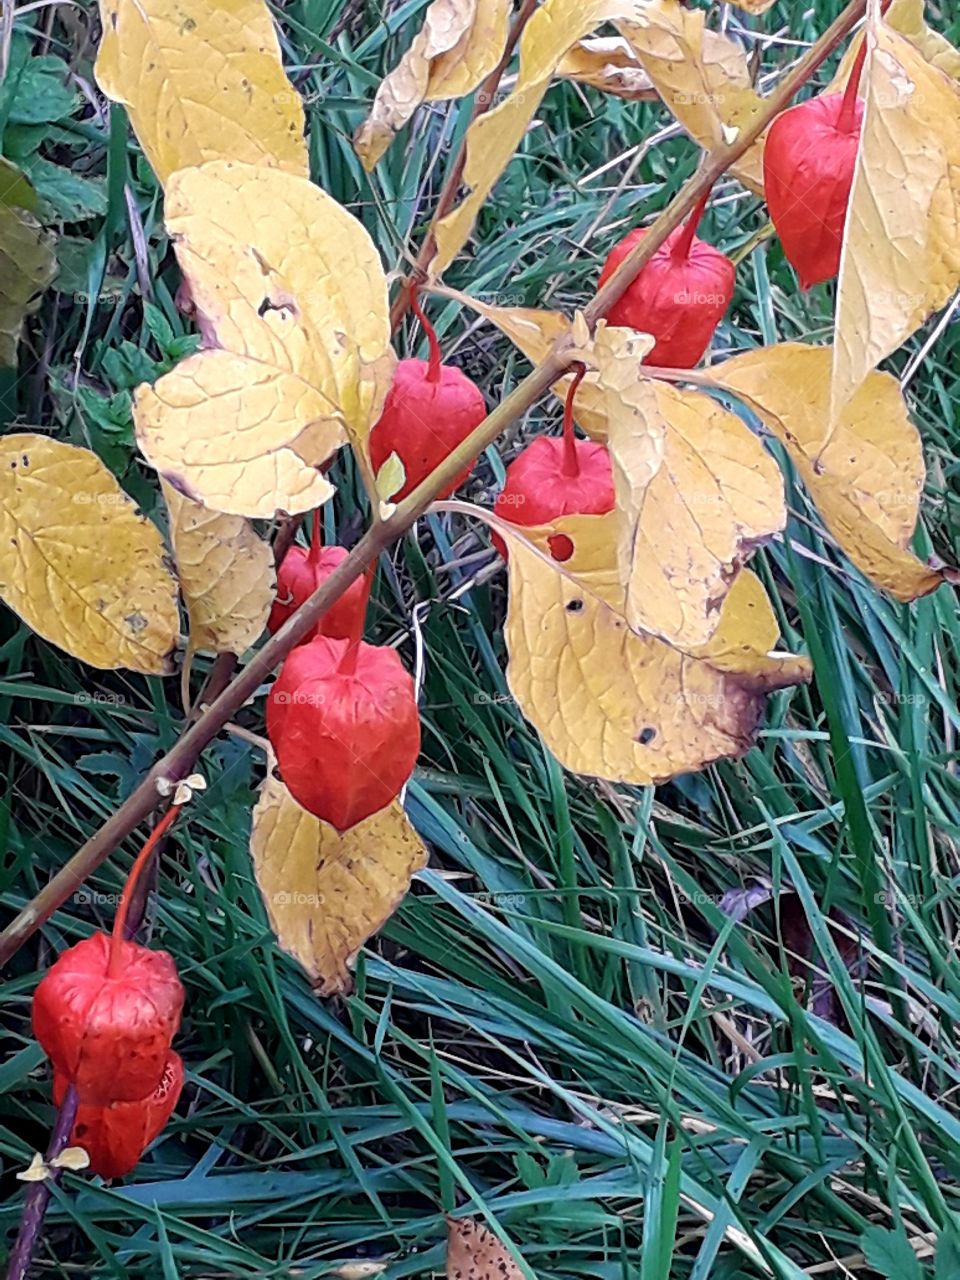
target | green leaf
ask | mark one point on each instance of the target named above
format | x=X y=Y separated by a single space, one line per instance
x=36 y=89
x=947 y=1260
x=70 y=197
x=890 y=1253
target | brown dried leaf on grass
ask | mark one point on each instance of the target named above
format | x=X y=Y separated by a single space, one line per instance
x=459 y=44
x=475 y=1253
x=703 y=78
x=492 y=139
x=609 y=64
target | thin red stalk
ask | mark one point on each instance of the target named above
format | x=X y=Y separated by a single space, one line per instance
x=120 y=919
x=316 y=538
x=571 y=463
x=846 y=120
x=348 y=663
x=847 y=117
x=681 y=246
x=436 y=359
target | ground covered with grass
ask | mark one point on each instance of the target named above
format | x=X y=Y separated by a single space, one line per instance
x=653 y=1034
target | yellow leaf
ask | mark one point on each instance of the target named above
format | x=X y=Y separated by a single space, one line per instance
x=616 y=705
x=703 y=78
x=292 y=288
x=905 y=16
x=460 y=43
x=327 y=893
x=901 y=250
x=201 y=80
x=78 y=562
x=226 y=575
x=475 y=1253
x=535 y=332
x=868 y=481
x=696 y=494
x=27 y=266
x=609 y=64
x=391 y=477
x=493 y=138
x=754 y=6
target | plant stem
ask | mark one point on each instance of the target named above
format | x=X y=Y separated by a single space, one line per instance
x=681 y=246
x=182 y=757
x=448 y=193
x=119 y=933
x=433 y=370
x=571 y=463
x=348 y=663
x=38 y=1193
x=316 y=538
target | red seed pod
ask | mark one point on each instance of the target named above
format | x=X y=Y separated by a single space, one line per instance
x=342 y=718
x=679 y=297
x=108 y=1027
x=556 y=476
x=808 y=166
x=116 y=1135
x=302 y=571
x=430 y=408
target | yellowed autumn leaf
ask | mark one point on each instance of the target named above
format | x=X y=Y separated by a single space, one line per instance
x=754 y=6
x=290 y=286
x=326 y=893
x=613 y=704
x=907 y=17
x=475 y=1253
x=702 y=77
x=901 y=250
x=226 y=574
x=609 y=64
x=78 y=562
x=459 y=44
x=27 y=265
x=201 y=80
x=868 y=481
x=534 y=332
x=697 y=493
x=554 y=28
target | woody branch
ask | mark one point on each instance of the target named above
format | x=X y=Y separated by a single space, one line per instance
x=182 y=757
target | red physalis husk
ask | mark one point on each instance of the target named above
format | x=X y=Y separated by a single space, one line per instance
x=430 y=409
x=106 y=1028
x=808 y=166
x=302 y=571
x=116 y=1134
x=679 y=297
x=556 y=476
x=342 y=718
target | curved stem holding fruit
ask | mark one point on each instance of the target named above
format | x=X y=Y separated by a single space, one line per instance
x=571 y=463
x=182 y=757
x=119 y=932
x=436 y=359
x=684 y=241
